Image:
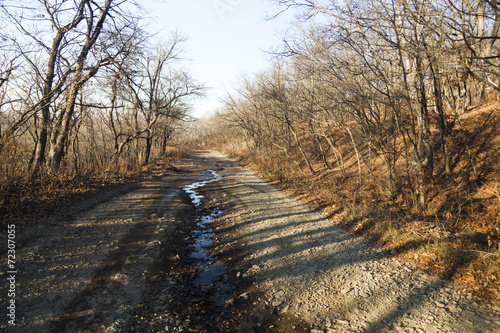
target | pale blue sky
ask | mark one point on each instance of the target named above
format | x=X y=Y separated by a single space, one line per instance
x=226 y=39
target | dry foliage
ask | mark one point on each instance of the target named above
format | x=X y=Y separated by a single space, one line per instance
x=456 y=237
x=27 y=199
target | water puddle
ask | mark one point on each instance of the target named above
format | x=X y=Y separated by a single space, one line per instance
x=211 y=271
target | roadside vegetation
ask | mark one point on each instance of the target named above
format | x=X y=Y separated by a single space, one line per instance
x=87 y=97
x=385 y=116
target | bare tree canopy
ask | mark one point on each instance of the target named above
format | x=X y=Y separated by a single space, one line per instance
x=389 y=78
x=58 y=52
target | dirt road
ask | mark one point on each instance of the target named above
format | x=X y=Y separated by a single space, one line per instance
x=211 y=248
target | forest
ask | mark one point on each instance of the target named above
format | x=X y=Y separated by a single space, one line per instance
x=382 y=113
x=85 y=90
x=385 y=116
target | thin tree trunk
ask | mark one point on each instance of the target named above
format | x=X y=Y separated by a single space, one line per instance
x=164 y=145
x=440 y=109
x=338 y=156
x=323 y=155
x=358 y=156
x=299 y=145
x=147 y=153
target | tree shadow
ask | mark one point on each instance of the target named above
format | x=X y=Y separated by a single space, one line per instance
x=282 y=240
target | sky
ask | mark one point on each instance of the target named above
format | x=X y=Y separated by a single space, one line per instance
x=227 y=39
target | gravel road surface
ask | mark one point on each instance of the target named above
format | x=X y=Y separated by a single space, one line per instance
x=247 y=258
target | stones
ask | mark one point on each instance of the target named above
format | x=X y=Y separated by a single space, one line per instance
x=244 y=296
x=440 y=304
x=285 y=309
x=453 y=309
x=418 y=273
x=277 y=303
x=53 y=298
x=364 y=295
x=346 y=290
x=404 y=306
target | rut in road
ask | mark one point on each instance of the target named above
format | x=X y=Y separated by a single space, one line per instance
x=99 y=266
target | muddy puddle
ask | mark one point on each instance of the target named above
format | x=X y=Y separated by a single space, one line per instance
x=210 y=271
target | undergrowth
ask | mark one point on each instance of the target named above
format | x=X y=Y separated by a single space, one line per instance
x=27 y=197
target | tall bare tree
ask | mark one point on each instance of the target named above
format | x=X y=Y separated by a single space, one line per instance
x=75 y=38
x=154 y=91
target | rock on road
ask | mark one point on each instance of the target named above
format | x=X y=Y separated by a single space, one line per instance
x=120 y=263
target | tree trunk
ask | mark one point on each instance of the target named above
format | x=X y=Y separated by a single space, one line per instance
x=338 y=156
x=440 y=109
x=61 y=134
x=424 y=128
x=299 y=145
x=147 y=154
x=45 y=103
x=163 y=145
x=391 y=181
x=323 y=154
x=358 y=155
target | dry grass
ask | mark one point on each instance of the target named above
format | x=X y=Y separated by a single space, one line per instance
x=27 y=197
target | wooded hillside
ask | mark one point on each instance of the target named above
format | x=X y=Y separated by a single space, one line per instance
x=385 y=115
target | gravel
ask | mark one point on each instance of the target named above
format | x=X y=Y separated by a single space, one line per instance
x=310 y=268
x=121 y=263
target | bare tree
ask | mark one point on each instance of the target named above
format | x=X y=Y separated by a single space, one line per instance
x=75 y=39
x=473 y=31
x=7 y=67
x=154 y=92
